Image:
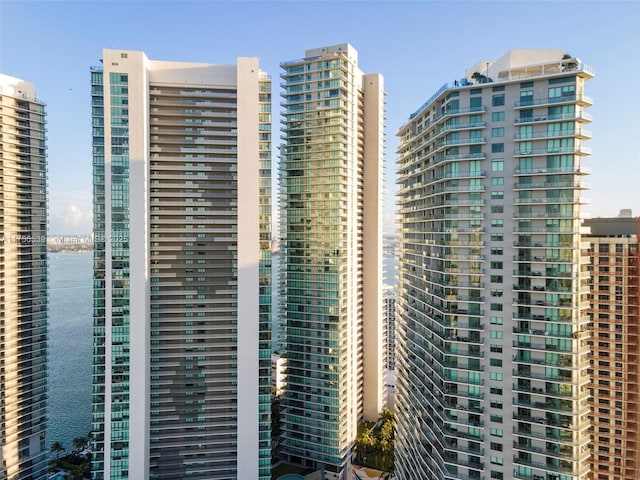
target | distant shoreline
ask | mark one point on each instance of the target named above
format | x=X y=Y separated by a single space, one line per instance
x=69 y=248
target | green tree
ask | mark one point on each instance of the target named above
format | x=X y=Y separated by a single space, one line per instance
x=387 y=443
x=56 y=448
x=365 y=442
x=375 y=443
x=79 y=443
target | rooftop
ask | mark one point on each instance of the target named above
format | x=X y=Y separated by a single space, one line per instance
x=513 y=66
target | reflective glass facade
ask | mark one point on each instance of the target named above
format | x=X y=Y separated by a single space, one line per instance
x=113 y=256
x=323 y=227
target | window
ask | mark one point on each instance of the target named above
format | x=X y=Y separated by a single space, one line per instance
x=496 y=334
x=475 y=102
x=497 y=265
x=497 y=208
x=497 y=195
x=497 y=237
x=496 y=321
x=498 y=88
x=495 y=349
x=496 y=432
x=526 y=131
x=497 y=181
x=526 y=114
x=496 y=376
x=526 y=97
x=497 y=222
x=497 y=475
x=555 y=81
x=495 y=362
x=525 y=164
x=525 y=148
x=496 y=404
x=496 y=307
x=497 y=250
x=497 y=100
x=568 y=91
x=497 y=117
x=497 y=460
x=497 y=165
x=496 y=279
x=497 y=147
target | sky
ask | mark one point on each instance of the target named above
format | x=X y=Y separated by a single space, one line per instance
x=416 y=45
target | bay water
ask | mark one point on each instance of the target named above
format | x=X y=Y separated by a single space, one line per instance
x=70 y=350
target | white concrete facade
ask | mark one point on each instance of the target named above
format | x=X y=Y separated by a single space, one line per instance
x=23 y=281
x=184 y=167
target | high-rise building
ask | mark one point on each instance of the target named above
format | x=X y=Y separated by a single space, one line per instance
x=182 y=214
x=389 y=341
x=493 y=351
x=331 y=212
x=615 y=312
x=389 y=328
x=23 y=281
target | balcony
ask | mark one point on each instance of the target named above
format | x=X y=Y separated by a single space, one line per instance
x=527 y=345
x=457 y=127
x=553 y=171
x=577 y=116
x=543 y=451
x=581 y=100
x=524 y=432
x=534 y=215
x=452 y=142
x=574 y=149
x=578 y=133
x=456 y=434
x=459 y=111
x=464 y=463
x=439 y=158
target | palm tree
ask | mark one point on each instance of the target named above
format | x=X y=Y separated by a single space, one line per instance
x=79 y=443
x=57 y=447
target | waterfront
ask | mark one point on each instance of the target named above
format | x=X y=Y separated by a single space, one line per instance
x=390 y=260
x=70 y=331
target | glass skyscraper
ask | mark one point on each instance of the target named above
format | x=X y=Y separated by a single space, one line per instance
x=182 y=292
x=331 y=221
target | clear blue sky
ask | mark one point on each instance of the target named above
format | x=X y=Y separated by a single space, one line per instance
x=417 y=46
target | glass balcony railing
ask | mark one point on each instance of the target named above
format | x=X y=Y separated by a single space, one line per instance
x=581 y=133
x=575 y=149
x=578 y=116
x=579 y=99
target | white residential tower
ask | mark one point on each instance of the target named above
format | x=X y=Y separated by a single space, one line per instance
x=182 y=214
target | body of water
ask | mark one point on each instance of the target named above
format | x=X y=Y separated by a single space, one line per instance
x=70 y=351
x=390 y=261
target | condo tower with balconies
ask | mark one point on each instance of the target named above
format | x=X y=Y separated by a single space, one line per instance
x=493 y=351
